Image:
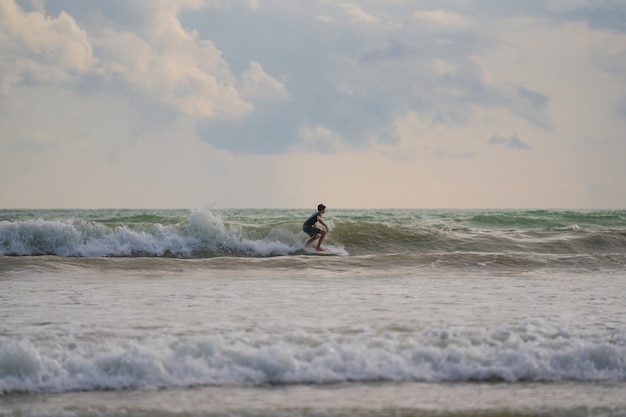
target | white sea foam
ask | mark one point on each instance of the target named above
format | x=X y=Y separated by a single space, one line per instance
x=203 y=232
x=573 y=227
x=284 y=356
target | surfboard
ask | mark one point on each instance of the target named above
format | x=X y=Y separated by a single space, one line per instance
x=328 y=251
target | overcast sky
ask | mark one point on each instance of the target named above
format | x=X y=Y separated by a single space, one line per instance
x=286 y=103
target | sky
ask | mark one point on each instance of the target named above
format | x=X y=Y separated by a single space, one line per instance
x=291 y=103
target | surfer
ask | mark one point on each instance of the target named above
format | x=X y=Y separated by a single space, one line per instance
x=309 y=228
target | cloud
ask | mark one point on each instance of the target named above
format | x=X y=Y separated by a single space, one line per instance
x=532 y=106
x=344 y=80
x=394 y=50
x=599 y=14
x=175 y=68
x=358 y=13
x=37 y=48
x=512 y=142
x=199 y=96
x=442 y=19
x=169 y=63
x=148 y=52
x=257 y=85
x=318 y=139
x=271 y=129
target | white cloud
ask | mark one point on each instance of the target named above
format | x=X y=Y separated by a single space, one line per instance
x=185 y=73
x=422 y=137
x=318 y=139
x=442 y=18
x=171 y=64
x=35 y=46
x=161 y=60
x=257 y=85
x=358 y=13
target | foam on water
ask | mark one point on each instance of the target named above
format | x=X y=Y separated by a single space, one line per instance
x=441 y=301
x=208 y=233
x=271 y=355
x=203 y=233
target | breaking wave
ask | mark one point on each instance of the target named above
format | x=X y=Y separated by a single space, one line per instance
x=528 y=352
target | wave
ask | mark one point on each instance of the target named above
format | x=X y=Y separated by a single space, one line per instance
x=202 y=234
x=527 y=352
x=207 y=233
x=382 y=238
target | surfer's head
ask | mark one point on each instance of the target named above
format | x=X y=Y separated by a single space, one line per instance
x=321 y=207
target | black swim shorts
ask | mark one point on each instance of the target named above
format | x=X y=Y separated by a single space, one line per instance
x=311 y=231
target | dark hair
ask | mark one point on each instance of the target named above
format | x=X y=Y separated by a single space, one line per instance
x=321 y=207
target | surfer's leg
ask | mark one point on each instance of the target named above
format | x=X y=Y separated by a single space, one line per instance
x=314 y=233
x=322 y=235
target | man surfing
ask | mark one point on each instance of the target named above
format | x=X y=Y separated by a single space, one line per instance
x=309 y=228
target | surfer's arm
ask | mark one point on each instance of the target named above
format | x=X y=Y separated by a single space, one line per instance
x=319 y=219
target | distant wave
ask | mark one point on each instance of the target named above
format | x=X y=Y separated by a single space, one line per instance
x=384 y=238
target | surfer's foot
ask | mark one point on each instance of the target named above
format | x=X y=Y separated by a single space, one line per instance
x=320 y=250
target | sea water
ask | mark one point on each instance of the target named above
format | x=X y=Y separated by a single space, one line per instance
x=222 y=313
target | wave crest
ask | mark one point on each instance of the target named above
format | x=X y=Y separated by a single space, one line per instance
x=207 y=233
x=202 y=234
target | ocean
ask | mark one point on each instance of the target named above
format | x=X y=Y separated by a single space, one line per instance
x=211 y=312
